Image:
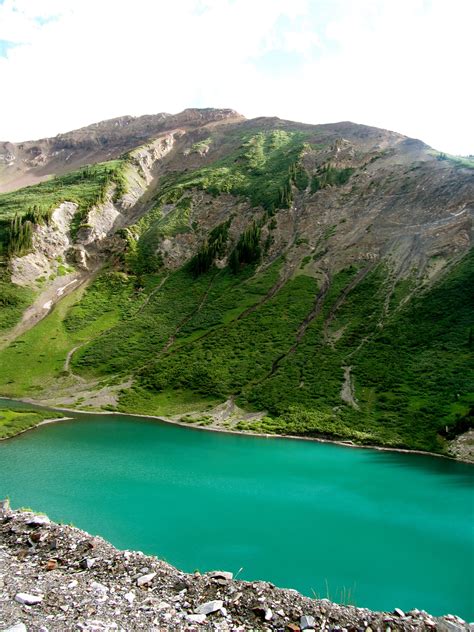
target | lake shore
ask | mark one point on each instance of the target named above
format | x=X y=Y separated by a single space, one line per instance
x=36 y=425
x=79 y=584
x=215 y=428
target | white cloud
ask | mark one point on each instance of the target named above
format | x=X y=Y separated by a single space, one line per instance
x=401 y=65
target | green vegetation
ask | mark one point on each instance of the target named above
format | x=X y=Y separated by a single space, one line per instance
x=185 y=307
x=328 y=175
x=213 y=347
x=12 y=422
x=86 y=187
x=457 y=161
x=20 y=236
x=13 y=302
x=201 y=146
x=27 y=366
x=222 y=362
x=197 y=341
x=164 y=403
x=262 y=169
x=248 y=248
x=213 y=248
x=417 y=374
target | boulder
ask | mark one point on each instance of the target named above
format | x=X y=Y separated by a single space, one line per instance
x=209 y=607
x=307 y=622
x=196 y=618
x=4 y=508
x=227 y=575
x=27 y=599
x=18 y=627
x=145 y=579
x=38 y=521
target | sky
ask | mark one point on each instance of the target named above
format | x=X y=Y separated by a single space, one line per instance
x=404 y=65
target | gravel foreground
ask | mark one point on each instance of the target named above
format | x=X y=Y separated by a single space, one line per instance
x=58 y=578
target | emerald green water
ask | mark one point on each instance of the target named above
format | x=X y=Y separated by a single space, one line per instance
x=377 y=529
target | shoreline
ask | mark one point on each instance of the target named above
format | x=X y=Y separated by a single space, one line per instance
x=210 y=428
x=143 y=592
x=40 y=423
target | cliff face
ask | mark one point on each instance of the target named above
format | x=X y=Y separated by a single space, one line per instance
x=56 y=577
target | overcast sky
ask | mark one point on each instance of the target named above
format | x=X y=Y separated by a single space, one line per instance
x=404 y=65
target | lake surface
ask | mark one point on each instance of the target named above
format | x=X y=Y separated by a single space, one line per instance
x=378 y=529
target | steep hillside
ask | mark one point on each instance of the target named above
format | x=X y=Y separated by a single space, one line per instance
x=22 y=164
x=257 y=275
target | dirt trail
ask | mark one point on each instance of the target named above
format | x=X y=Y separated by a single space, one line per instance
x=67 y=361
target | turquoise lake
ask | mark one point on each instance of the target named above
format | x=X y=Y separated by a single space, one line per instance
x=377 y=529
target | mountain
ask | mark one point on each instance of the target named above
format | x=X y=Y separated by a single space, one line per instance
x=258 y=275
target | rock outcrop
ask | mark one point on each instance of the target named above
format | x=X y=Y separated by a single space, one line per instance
x=51 y=243
x=55 y=578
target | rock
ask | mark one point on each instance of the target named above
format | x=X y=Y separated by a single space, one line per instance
x=209 y=607
x=87 y=563
x=72 y=584
x=259 y=612
x=399 y=612
x=4 y=511
x=196 y=618
x=100 y=591
x=130 y=597
x=220 y=575
x=38 y=521
x=268 y=614
x=18 y=627
x=51 y=565
x=27 y=599
x=307 y=622
x=145 y=579
x=449 y=626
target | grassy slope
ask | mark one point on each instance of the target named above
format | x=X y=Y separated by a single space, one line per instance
x=12 y=422
x=13 y=302
x=258 y=169
x=412 y=378
x=33 y=361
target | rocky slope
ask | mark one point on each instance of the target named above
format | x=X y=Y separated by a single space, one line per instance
x=56 y=577
x=273 y=276
x=22 y=164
